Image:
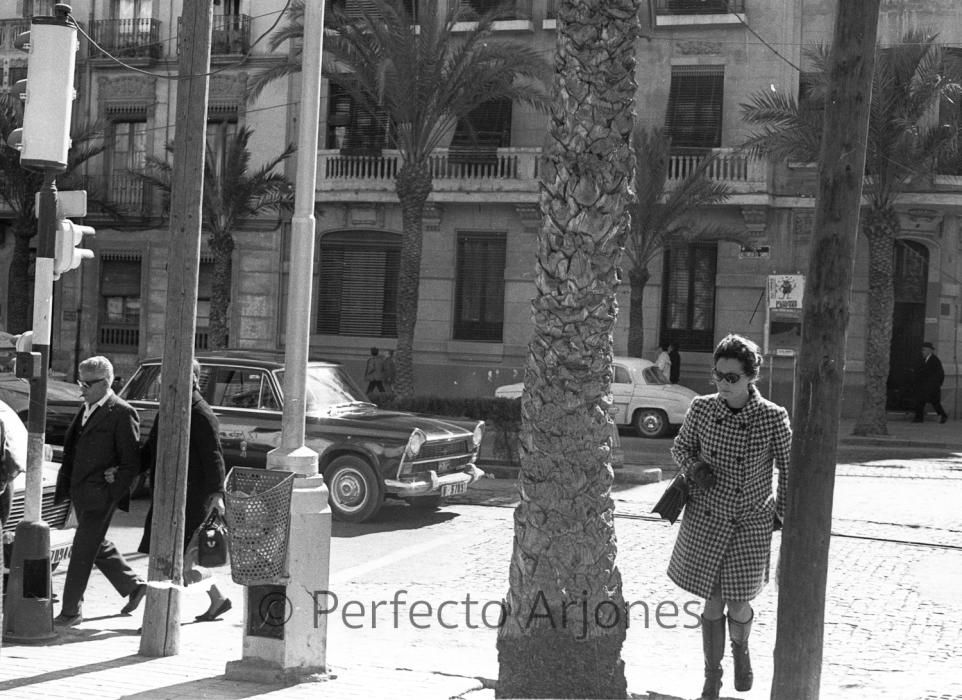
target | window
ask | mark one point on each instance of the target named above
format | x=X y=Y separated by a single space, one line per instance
x=237 y=387
x=357 y=292
x=809 y=101
x=119 y=301
x=32 y=8
x=622 y=375
x=352 y=128
x=479 y=287
x=694 y=118
x=220 y=138
x=204 y=282
x=698 y=7
x=478 y=136
x=688 y=296
x=128 y=156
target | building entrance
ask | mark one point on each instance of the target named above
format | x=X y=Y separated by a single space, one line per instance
x=911 y=272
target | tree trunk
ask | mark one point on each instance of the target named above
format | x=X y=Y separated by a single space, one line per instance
x=222 y=246
x=879 y=228
x=20 y=281
x=565 y=619
x=638 y=279
x=413 y=186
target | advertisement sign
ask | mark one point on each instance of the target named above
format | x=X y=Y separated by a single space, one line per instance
x=785 y=292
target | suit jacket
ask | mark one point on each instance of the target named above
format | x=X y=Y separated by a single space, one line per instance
x=111 y=438
x=205 y=467
x=929 y=377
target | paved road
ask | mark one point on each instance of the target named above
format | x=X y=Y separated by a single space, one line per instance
x=892 y=620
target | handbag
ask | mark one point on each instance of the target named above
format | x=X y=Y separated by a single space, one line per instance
x=675 y=497
x=212 y=541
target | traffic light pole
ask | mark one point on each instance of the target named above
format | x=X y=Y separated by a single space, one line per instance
x=29 y=610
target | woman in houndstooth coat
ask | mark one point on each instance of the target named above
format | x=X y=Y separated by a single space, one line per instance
x=728 y=446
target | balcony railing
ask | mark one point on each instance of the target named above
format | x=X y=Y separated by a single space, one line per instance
x=229 y=34
x=127 y=192
x=119 y=336
x=740 y=171
x=472 y=9
x=698 y=7
x=126 y=38
x=10 y=29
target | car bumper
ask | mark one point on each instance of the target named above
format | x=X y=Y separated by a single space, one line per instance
x=61 y=546
x=432 y=484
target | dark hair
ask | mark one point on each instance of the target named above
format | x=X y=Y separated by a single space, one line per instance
x=737 y=347
x=374 y=351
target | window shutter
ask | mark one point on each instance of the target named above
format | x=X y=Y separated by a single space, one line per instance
x=694 y=118
x=119 y=277
x=688 y=296
x=479 y=293
x=478 y=136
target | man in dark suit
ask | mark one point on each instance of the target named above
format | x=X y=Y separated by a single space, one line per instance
x=101 y=457
x=928 y=381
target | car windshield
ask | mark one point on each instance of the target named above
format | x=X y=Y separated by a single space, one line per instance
x=653 y=375
x=329 y=388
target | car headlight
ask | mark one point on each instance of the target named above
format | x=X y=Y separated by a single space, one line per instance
x=478 y=434
x=416 y=442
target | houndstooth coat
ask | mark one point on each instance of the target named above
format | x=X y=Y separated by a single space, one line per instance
x=726 y=532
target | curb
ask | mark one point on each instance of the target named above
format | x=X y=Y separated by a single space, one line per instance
x=626 y=474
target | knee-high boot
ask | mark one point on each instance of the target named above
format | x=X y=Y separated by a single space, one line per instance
x=713 y=644
x=739 y=631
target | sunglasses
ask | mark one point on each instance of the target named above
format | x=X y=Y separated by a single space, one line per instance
x=727 y=377
x=87 y=385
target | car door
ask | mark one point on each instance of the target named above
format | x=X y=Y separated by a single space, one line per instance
x=248 y=411
x=622 y=389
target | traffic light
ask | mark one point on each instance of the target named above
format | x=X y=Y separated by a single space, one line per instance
x=67 y=255
x=47 y=93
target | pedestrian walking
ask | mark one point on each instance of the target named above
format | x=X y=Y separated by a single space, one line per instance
x=928 y=381
x=675 y=373
x=390 y=372
x=101 y=457
x=13 y=456
x=664 y=360
x=727 y=446
x=205 y=490
x=374 y=372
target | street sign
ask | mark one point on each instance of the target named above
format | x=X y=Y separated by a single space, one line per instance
x=69 y=203
x=786 y=291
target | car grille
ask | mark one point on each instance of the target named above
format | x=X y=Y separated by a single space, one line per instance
x=443 y=457
x=53 y=515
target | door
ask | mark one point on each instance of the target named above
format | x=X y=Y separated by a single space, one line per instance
x=911 y=272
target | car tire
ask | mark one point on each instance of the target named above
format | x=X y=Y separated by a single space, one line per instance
x=426 y=502
x=356 y=494
x=650 y=422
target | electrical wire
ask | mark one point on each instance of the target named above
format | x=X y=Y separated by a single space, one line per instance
x=759 y=37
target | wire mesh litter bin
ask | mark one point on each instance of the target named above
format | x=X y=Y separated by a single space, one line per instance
x=258 y=513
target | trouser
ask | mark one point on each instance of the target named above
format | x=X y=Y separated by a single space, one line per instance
x=91 y=548
x=936 y=402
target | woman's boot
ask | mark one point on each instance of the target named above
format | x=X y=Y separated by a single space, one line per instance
x=739 y=631
x=713 y=644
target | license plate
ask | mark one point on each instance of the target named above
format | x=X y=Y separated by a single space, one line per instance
x=454 y=489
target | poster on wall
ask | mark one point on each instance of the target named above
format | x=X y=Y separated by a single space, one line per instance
x=786 y=291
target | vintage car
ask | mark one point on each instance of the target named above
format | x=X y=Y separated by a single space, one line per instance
x=63 y=401
x=366 y=454
x=643 y=397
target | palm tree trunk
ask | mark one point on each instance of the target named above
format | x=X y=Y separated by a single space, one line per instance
x=879 y=227
x=222 y=246
x=638 y=279
x=413 y=186
x=565 y=619
x=20 y=281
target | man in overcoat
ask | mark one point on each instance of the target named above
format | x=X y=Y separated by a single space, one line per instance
x=928 y=381
x=101 y=457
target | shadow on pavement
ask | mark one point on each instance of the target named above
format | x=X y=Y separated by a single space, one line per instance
x=72 y=671
x=203 y=688
x=393 y=519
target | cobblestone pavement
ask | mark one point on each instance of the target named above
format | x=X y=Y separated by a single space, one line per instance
x=892 y=629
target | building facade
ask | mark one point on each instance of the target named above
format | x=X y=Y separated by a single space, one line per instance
x=698 y=60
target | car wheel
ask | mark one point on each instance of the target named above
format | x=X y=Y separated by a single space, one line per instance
x=355 y=492
x=426 y=502
x=650 y=422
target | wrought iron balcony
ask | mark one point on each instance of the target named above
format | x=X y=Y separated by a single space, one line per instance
x=10 y=29
x=126 y=38
x=698 y=7
x=229 y=34
x=127 y=192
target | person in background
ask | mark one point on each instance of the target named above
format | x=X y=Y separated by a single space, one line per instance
x=664 y=360
x=13 y=456
x=205 y=486
x=675 y=357
x=390 y=372
x=727 y=446
x=101 y=458
x=928 y=380
x=374 y=372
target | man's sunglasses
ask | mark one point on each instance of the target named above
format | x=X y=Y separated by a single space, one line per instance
x=87 y=385
x=728 y=377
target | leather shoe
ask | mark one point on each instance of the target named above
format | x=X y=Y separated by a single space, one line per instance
x=66 y=620
x=944 y=417
x=133 y=601
x=212 y=615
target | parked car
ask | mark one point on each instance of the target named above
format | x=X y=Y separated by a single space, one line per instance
x=366 y=454
x=643 y=397
x=63 y=401
x=57 y=517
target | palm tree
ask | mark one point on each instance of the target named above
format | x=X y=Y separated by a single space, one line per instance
x=910 y=80
x=565 y=611
x=422 y=78
x=663 y=215
x=18 y=188
x=232 y=193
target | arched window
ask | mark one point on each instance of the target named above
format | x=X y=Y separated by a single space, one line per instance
x=358 y=282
